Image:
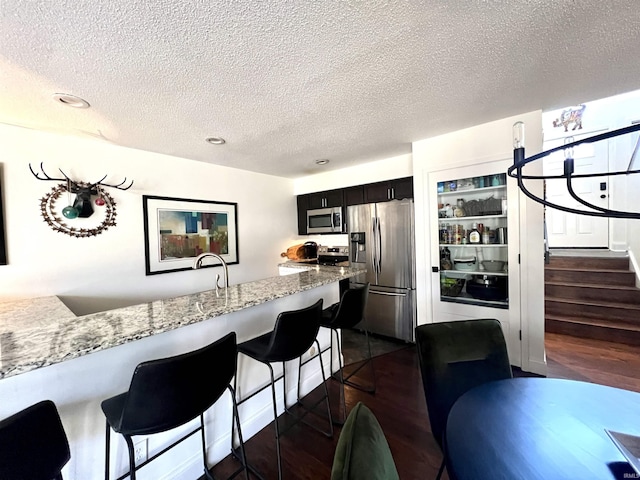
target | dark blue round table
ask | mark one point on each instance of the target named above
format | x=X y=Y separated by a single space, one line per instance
x=540 y=429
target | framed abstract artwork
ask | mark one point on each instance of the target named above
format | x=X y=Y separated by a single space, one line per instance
x=177 y=230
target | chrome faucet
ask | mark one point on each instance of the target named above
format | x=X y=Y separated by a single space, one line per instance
x=198 y=264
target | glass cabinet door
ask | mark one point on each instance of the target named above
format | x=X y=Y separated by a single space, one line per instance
x=473 y=240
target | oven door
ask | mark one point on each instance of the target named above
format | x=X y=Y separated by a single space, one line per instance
x=324 y=220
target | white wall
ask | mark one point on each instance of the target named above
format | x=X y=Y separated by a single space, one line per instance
x=487 y=143
x=377 y=171
x=108 y=271
x=609 y=114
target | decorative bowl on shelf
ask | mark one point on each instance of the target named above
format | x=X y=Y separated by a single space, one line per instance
x=469 y=263
x=493 y=265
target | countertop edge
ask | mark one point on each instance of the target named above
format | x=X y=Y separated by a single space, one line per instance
x=58 y=336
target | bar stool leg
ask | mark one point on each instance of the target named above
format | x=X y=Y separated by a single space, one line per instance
x=132 y=457
x=235 y=423
x=204 y=449
x=236 y=415
x=311 y=409
x=275 y=417
x=107 y=452
x=341 y=380
x=326 y=391
x=368 y=360
x=373 y=370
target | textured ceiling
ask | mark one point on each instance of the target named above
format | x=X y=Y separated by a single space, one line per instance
x=286 y=82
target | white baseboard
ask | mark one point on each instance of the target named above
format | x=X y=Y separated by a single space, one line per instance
x=537 y=367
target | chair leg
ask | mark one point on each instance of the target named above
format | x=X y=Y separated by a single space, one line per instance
x=331 y=330
x=233 y=430
x=107 y=451
x=311 y=409
x=340 y=381
x=236 y=415
x=326 y=390
x=132 y=457
x=369 y=360
x=204 y=449
x=236 y=424
x=275 y=418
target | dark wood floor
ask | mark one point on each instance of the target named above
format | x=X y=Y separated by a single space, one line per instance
x=400 y=407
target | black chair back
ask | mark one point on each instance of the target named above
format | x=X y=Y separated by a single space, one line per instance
x=294 y=333
x=455 y=357
x=350 y=310
x=33 y=444
x=169 y=392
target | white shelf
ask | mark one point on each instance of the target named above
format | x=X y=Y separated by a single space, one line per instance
x=475 y=301
x=474 y=190
x=483 y=245
x=478 y=217
x=464 y=273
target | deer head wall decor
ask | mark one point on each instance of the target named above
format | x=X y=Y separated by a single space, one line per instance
x=81 y=207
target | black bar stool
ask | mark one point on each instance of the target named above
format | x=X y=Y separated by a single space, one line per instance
x=170 y=392
x=346 y=314
x=33 y=444
x=294 y=333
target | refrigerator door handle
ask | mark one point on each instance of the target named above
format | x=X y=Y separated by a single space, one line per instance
x=379 y=247
x=374 y=260
x=388 y=294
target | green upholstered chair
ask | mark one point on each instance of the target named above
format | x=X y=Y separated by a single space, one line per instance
x=362 y=452
x=454 y=358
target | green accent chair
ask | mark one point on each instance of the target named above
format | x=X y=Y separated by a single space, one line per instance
x=362 y=452
x=454 y=358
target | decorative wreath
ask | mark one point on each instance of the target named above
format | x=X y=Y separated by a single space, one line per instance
x=55 y=221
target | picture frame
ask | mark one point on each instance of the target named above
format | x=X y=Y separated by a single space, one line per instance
x=177 y=230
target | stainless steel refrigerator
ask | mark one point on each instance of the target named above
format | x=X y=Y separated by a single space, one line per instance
x=381 y=238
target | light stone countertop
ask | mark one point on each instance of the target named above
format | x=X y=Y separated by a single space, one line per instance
x=42 y=331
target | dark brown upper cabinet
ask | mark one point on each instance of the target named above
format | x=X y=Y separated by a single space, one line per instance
x=389 y=190
x=330 y=198
x=354 y=195
x=303 y=206
x=343 y=197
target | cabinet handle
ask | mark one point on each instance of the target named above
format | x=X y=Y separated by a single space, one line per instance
x=393 y=193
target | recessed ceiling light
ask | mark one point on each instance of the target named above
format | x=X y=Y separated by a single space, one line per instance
x=70 y=100
x=322 y=161
x=216 y=140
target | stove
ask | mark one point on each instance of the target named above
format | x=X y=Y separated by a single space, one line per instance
x=333 y=255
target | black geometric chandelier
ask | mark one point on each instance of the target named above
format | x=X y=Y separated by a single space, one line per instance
x=519 y=161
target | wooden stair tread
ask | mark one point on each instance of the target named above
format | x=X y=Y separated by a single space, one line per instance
x=592 y=298
x=611 y=325
x=598 y=270
x=575 y=301
x=592 y=285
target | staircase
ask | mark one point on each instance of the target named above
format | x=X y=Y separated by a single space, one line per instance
x=592 y=297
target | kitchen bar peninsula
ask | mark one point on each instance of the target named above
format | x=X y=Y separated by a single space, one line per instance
x=46 y=352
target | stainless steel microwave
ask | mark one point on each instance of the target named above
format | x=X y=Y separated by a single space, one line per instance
x=324 y=220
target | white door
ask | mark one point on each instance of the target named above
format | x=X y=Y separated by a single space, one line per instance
x=462 y=305
x=565 y=230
